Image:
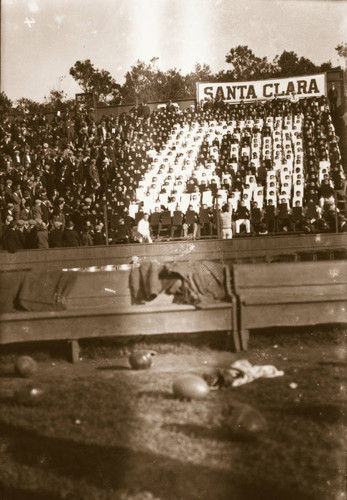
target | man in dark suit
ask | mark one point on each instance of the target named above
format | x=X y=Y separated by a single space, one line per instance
x=56 y=235
x=332 y=96
x=70 y=236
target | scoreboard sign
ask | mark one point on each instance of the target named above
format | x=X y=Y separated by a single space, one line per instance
x=301 y=86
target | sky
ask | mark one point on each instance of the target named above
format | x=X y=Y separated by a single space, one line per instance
x=42 y=39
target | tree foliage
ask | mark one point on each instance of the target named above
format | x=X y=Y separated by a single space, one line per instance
x=290 y=64
x=25 y=105
x=201 y=73
x=5 y=103
x=341 y=49
x=145 y=82
x=57 y=101
x=246 y=65
x=94 y=80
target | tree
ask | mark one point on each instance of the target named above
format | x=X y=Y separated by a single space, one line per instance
x=225 y=76
x=145 y=82
x=201 y=73
x=175 y=87
x=289 y=64
x=57 y=101
x=5 y=103
x=94 y=80
x=246 y=65
x=286 y=63
x=141 y=82
x=325 y=67
x=341 y=49
x=25 y=105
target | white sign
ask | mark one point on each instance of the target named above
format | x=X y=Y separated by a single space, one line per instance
x=301 y=86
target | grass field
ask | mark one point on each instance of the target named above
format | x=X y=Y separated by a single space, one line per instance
x=105 y=432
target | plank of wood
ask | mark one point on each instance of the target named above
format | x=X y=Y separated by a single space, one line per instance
x=277 y=315
x=64 y=325
x=291 y=274
x=294 y=294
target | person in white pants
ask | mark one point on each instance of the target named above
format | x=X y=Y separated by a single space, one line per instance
x=225 y=223
x=143 y=232
x=242 y=217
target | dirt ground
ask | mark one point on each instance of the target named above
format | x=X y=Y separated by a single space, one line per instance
x=104 y=431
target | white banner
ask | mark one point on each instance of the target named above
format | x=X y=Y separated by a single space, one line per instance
x=302 y=86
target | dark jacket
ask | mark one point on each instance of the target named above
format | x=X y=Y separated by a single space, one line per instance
x=70 y=238
x=56 y=238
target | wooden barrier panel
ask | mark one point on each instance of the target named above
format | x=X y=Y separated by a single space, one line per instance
x=298 y=294
x=122 y=321
x=229 y=251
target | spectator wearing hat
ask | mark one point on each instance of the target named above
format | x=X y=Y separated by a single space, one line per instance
x=98 y=238
x=11 y=238
x=190 y=223
x=31 y=235
x=283 y=215
x=25 y=212
x=8 y=211
x=42 y=236
x=20 y=228
x=37 y=210
x=326 y=193
x=297 y=217
x=86 y=237
x=3 y=228
x=270 y=213
x=332 y=96
x=16 y=200
x=9 y=191
x=70 y=236
x=256 y=217
x=58 y=213
x=49 y=180
x=342 y=220
x=56 y=235
x=123 y=230
x=262 y=229
x=45 y=207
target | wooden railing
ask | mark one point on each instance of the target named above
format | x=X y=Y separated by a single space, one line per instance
x=247 y=249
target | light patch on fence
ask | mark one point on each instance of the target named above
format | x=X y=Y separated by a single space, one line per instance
x=334 y=273
x=110 y=290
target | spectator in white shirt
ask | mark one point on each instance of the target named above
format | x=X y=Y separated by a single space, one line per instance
x=143 y=231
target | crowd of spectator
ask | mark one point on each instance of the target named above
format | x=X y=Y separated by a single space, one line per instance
x=218 y=170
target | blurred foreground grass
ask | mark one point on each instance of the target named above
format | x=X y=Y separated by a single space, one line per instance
x=103 y=431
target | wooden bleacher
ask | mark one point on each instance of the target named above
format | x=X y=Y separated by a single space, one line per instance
x=274 y=295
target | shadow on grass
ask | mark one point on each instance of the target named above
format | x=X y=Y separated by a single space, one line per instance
x=7 y=400
x=114 y=368
x=9 y=374
x=156 y=394
x=333 y=364
x=120 y=467
x=324 y=413
x=21 y=494
x=201 y=432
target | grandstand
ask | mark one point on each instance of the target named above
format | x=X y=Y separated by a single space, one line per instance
x=217 y=169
